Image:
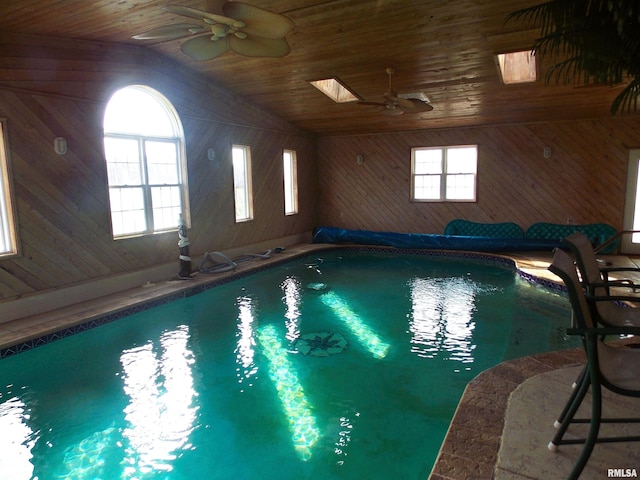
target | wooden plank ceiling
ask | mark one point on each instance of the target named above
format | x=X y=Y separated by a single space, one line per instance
x=442 y=48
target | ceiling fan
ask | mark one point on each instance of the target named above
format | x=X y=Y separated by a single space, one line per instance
x=236 y=26
x=397 y=104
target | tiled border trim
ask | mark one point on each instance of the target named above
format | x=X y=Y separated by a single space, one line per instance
x=122 y=313
x=89 y=324
x=542 y=281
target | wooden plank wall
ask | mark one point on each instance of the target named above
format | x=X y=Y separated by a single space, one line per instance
x=582 y=182
x=53 y=87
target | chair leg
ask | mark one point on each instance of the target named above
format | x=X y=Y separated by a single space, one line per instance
x=596 y=414
x=577 y=396
x=576 y=388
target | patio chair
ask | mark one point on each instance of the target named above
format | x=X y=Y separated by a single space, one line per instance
x=617 y=368
x=594 y=273
x=594 y=276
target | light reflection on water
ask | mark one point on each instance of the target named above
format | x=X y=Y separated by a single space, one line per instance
x=297 y=408
x=291 y=288
x=358 y=326
x=162 y=409
x=441 y=318
x=245 y=343
x=17 y=439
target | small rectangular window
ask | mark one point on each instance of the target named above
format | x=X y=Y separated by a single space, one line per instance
x=444 y=174
x=243 y=194
x=290 y=169
x=8 y=236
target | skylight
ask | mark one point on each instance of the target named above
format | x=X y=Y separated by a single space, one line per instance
x=335 y=90
x=517 y=67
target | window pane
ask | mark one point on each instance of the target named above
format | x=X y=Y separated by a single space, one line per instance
x=136 y=110
x=427 y=161
x=635 y=237
x=162 y=162
x=461 y=187
x=242 y=183
x=8 y=241
x=127 y=211
x=290 y=183
x=123 y=161
x=239 y=177
x=427 y=187
x=5 y=237
x=461 y=160
x=166 y=207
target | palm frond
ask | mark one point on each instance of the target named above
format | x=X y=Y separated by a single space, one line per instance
x=592 y=41
x=627 y=100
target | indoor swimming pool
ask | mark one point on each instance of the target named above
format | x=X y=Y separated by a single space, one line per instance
x=338 y=365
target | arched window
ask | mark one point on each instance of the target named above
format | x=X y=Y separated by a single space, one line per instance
x=146 y=164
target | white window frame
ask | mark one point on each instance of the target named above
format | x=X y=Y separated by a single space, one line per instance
x=290 y=177
x=8 y=230
x=445 y=176
x=242 y=183
x=630 y=243
x=150 y=210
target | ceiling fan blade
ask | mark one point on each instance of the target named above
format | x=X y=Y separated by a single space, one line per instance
x=169 y=32
x=203 y=48
x=258 y=46
x=200 y=15
x=259 y=22
x=215 y=6
x=417 y=105
x=410 y=105
x=377 y=104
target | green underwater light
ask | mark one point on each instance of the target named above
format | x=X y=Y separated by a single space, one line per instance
x=369 y=339
x=302 y=423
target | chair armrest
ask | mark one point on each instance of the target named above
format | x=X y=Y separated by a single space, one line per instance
x=620 y=269
x=615 y=283
x=613 y=298
x=604 y=331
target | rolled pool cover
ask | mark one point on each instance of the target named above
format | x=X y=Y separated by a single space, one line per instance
x=432 y=241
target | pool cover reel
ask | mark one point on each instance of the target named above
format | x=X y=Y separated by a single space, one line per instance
x=432 y=241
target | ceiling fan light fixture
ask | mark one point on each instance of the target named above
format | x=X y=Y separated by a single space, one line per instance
x=335 y=90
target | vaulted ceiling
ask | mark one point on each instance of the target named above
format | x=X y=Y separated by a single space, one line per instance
x=442 y=48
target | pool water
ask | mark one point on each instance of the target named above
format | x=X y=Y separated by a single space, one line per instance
x=342 y=365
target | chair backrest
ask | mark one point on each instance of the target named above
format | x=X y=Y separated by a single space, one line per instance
x=562 y=265
x=590 y=273
x=585 y=257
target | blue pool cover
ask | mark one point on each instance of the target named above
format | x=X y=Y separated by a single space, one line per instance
x=432 y=241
